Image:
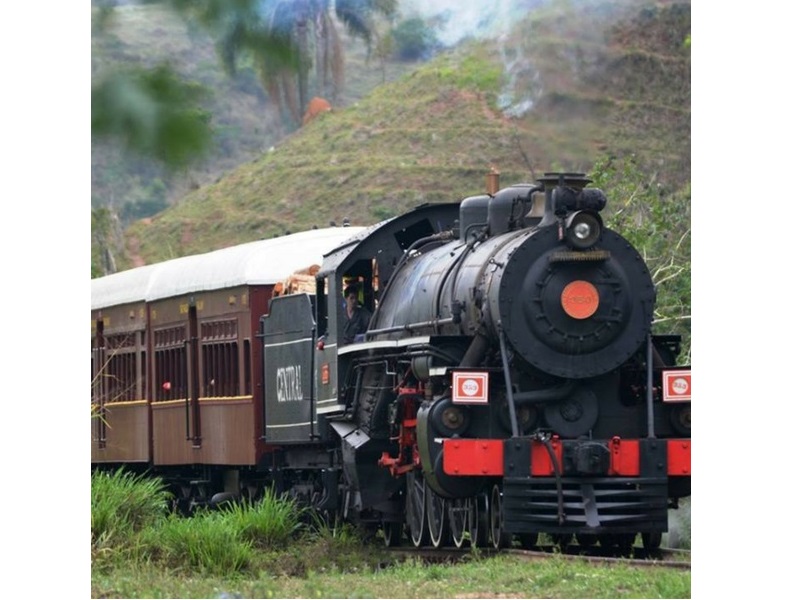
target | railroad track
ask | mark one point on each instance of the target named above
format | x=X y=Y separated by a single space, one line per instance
x=662 y=557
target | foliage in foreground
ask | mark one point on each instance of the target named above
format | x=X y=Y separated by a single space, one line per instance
x=225 y=541
x=132 y=524
x=123 y=505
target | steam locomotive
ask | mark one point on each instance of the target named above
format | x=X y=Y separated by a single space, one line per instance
x=508 y=384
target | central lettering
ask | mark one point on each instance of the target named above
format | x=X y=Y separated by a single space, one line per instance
x=289 y=384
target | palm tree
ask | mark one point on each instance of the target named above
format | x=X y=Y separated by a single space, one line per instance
x=308 y=28
x=288 y=39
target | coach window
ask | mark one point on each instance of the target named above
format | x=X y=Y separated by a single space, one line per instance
x=220 y=355
x=170 y=359
x=119 y=370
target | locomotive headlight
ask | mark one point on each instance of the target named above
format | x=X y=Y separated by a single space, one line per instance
x=583 y=229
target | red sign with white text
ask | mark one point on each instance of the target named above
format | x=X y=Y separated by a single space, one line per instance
x=470 y=387
x=677 y=386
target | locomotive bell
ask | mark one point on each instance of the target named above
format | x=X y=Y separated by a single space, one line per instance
x=557 y=188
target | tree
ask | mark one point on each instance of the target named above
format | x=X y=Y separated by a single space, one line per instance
x=308 y=29
x=414 y=39
x=153 y=111
x=157 y=114
x=657 y=222
x=105 y=229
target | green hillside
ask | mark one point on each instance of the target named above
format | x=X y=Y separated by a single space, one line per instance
x=572 y=84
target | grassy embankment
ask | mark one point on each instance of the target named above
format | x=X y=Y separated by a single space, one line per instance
x=273 y=550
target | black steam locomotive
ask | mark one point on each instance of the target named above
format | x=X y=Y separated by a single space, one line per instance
x=508 y=383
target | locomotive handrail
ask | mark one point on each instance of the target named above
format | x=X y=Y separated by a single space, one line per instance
x=357 y=347
x=512 y=407
x=650 y=411
x=544 y=438
x=551 y=394
x=455 y=306
x=186 y=402
x=410 y=327
x=312 y=384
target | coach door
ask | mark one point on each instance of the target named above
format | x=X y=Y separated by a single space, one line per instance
x=289 y=332
x=177 y=434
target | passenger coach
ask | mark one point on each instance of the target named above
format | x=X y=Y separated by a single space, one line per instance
x=176 y=364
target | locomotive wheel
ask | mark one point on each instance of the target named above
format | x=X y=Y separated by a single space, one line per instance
x=436 y=510
x=586 y=540
x=607 y=541
x=497 y=536
x=478 y=516
x=458 y=514
x=680 y=417
x=392 y=533
x=651 y=540
x=562 y=540
x=199 y=499
x=625 y=542
x=622 y=541
x=416 y=492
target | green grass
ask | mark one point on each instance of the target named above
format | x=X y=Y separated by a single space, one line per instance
x=477 y=577
x=268 y=523
x=206 y=544
x=123 y=505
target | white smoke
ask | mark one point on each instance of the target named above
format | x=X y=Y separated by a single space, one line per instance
x=460 y=19
x=486 y=19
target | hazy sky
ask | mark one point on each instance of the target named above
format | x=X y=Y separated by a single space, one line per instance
x=473 y=17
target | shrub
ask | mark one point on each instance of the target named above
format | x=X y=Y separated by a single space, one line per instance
x=657 y=222
x=123 y=504
x=269 y=522
x=204 y=542
x=413 y=39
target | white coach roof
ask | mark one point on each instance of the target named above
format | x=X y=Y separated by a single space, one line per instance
x=263 y=262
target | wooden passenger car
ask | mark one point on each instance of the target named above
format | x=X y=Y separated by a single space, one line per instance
x=176 y=377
